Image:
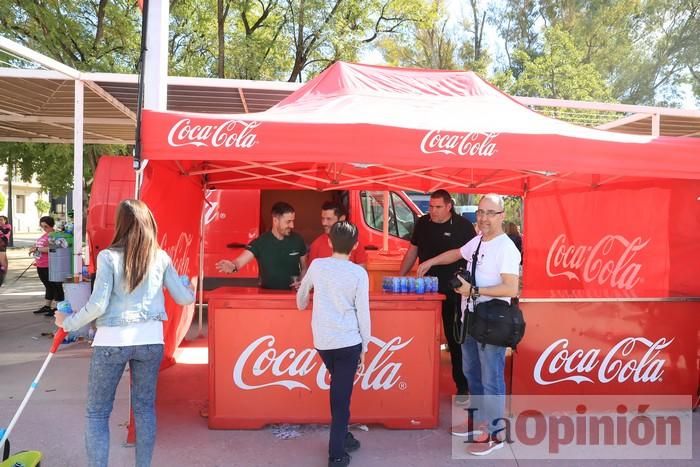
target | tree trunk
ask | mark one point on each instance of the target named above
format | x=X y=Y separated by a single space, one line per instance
x=299 y=53
x=221 y=22
x=100 y=22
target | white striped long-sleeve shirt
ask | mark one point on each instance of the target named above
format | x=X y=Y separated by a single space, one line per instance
x=340 y=316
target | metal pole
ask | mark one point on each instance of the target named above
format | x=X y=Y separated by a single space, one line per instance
x=385 y=230
x=200 y=279
x=10 y=173
x=78 y=181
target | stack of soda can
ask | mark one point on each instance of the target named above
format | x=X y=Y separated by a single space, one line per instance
x=404 y=284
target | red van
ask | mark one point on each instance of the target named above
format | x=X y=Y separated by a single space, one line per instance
x=113 y=182
x=235 y=217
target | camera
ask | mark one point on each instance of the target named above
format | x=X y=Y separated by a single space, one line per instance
x=455 y=283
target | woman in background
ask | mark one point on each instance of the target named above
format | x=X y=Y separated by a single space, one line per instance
x=128 y=304
x=513 y=231
x=53 y=290
x=5 y=230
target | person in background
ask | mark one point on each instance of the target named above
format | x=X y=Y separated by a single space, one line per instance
x=128 y=305
x=332 y=212
x=5 y=230
x=513 y=232
x=281 y=252
x=440 y=230
x=341 y=327
x=53 y=290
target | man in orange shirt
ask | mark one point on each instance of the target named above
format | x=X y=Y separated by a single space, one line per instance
x=331 y=213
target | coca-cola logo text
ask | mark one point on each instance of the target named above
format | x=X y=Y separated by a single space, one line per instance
x=463 y=144
x=289 y=367
x=602 y=263
x=582 y=366
x=231 y=133
x=179 y=252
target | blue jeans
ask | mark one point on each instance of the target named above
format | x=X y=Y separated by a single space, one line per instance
x=484 y=367
x=106 y=369
x=342 y=365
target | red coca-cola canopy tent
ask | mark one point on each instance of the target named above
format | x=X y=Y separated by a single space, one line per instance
x=610 y=220
x=360 y=125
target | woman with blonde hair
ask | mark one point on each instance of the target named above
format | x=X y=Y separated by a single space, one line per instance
x=128 y=304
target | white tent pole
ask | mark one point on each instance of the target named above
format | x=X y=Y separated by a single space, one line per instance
x=78 y=181
x=155 y=67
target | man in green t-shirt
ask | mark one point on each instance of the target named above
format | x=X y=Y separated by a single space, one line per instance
x=281 y=253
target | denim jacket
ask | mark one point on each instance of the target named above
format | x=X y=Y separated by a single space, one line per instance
x=111 y=305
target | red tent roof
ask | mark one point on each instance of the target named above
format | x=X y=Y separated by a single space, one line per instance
x=361 y=125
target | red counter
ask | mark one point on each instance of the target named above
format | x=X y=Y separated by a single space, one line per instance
x=622 y=347
x=263 y=368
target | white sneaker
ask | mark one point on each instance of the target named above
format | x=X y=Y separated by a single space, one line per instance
x=466 y=431
x=485 y=447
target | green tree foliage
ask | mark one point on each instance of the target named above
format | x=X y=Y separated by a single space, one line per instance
x=433 y=42
x=473 y=53
x=513 y=207
x=278 y=39
x=88 y=35
x=559 y=72
x=669 y=53
x=643 y=49
x=3 y=200
x=515 y=21
x=428 y=43
x=42 y=206
x=53 y=163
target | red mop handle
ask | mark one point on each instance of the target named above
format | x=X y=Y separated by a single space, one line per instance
x=58 y=339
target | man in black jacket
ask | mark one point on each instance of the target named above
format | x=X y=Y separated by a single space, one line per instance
x=441 y=230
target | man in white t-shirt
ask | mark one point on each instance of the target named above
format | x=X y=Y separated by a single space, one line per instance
x=497 y=275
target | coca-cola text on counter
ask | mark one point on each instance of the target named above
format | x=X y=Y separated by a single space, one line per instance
x=558 y=363
x=262 y=365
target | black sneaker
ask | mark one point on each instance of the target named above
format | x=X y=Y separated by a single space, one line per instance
x=43 y=309
x=339 y=461
x=351 y=444
x=51 y=312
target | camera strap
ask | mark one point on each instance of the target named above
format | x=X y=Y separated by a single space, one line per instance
x=462 y=326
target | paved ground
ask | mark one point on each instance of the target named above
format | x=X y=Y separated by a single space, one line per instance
x=25 y=239
x=53 y=420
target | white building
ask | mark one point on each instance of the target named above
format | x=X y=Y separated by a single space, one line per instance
x=25 y=217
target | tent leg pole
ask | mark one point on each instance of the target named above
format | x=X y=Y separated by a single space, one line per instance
x=385 y=230
x=79 y=104
x=200 y=279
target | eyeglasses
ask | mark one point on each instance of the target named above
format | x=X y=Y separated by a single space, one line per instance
x=489 y=213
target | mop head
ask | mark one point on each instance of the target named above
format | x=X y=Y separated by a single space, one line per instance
x=23 y=459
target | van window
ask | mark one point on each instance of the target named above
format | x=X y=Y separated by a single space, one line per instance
x=401 y=218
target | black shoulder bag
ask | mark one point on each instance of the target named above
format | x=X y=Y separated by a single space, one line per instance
x=495 y=322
